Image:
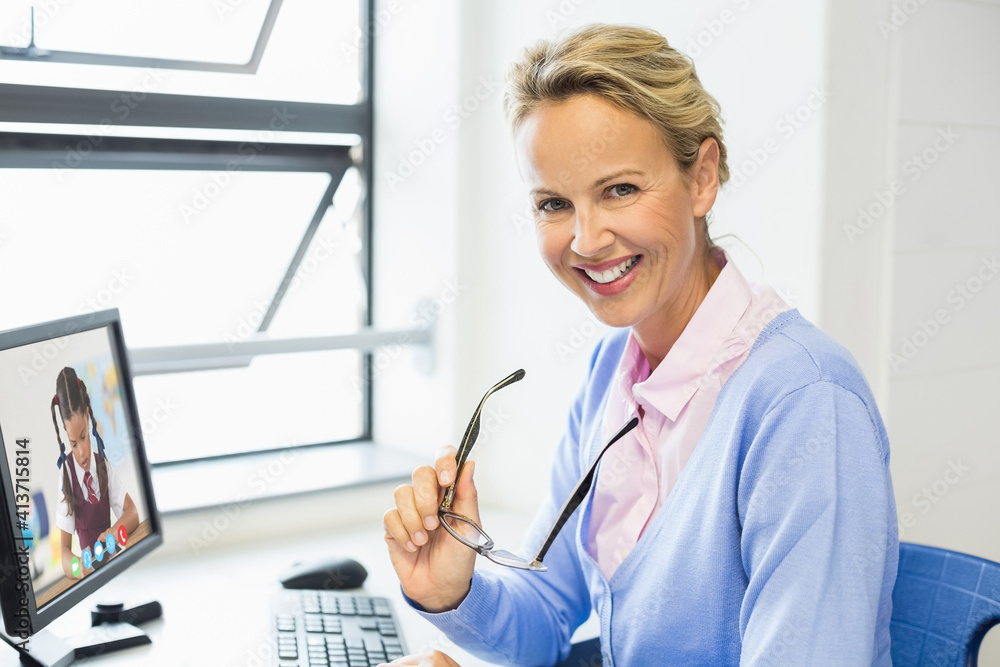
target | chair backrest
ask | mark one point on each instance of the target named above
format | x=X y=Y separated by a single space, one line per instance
x=943 y=604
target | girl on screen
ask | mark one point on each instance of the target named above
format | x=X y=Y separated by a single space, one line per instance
x=92 y=490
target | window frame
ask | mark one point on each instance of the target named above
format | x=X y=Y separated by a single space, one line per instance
x=90 y=108
x=31 y=52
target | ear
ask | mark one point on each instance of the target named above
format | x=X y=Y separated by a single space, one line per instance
x=705 y=181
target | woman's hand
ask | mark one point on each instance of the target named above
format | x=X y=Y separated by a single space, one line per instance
x=434 y=569
x=429 y=659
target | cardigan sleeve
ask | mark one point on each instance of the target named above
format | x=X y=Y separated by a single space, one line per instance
x=818 y=532
x=528 y=618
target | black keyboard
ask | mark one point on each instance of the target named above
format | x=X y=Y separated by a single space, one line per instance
x=328 y=628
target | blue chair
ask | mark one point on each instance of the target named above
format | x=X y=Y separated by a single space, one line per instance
x=943 y=604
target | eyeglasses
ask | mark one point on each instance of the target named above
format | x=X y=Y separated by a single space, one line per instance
x=471 y=534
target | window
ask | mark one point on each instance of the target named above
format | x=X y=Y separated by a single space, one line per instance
x=288 y=50
x=209 y=179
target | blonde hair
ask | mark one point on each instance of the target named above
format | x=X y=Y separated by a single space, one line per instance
x=633 y=68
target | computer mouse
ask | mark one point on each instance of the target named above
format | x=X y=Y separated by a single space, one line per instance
x=331 y=574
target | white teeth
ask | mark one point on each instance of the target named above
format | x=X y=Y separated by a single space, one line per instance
x=617 y=272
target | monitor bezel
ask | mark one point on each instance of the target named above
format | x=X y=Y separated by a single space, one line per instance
x=10 y=598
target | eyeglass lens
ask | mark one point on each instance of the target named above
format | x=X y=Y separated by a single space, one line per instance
x=466 y=531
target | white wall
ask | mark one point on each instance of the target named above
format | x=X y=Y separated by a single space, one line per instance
x=910 y=214
x=944 y=382
x=416 y=214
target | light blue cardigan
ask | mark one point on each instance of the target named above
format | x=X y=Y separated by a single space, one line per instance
x=777 y=546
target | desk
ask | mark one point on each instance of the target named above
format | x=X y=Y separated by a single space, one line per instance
x=216 y=603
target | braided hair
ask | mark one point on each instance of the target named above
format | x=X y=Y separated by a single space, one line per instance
x=71 y=399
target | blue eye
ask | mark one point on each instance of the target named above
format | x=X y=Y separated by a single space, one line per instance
x=623 y=189
x=552 y=205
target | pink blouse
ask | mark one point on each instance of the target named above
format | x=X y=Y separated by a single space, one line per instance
x=638 y=472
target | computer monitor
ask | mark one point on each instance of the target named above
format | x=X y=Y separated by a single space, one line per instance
x=76 y=496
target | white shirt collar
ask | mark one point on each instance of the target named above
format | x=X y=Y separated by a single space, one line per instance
x=79 y=470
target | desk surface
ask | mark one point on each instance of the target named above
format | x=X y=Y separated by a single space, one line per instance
x=216 y=603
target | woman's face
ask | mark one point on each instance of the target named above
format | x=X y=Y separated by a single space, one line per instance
x=616 y=222
x=78 y=431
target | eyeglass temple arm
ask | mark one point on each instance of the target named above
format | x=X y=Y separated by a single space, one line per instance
x=580 y=492
x=471 y=433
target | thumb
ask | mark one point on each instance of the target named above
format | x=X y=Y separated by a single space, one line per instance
x=466 y=497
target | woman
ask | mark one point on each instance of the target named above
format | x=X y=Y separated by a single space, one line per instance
x=778 y=544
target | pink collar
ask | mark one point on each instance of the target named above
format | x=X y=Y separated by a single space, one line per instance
x=708 y=341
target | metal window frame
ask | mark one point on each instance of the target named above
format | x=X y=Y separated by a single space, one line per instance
x=51 y=105
x=32 y=53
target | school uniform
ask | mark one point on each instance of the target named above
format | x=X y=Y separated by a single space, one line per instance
x=91 y=519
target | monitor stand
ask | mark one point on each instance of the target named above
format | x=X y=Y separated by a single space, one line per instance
x=45 y=649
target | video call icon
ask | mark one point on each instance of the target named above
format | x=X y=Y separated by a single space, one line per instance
x=74 y=566
x=88 y=559
x=99 y=550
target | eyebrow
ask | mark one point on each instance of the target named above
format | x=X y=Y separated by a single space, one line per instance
x=618 y=174
x=598 y=183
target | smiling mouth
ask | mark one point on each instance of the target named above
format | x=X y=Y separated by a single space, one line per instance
x=613 y=274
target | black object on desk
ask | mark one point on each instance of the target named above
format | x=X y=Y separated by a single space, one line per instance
x=330 y=574
x=118 y=613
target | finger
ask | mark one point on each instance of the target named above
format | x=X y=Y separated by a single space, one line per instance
x=395 y=530
x=445 y=466
x=466 y=495
x=407 y=505
x=405 y=660
x=426 y=493
x=427 y=659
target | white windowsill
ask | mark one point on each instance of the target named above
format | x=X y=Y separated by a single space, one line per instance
x=238 y=481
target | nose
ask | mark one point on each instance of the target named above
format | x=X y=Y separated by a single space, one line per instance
x=591 y=233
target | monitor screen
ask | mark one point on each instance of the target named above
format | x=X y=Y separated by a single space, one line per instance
x=75 y=473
